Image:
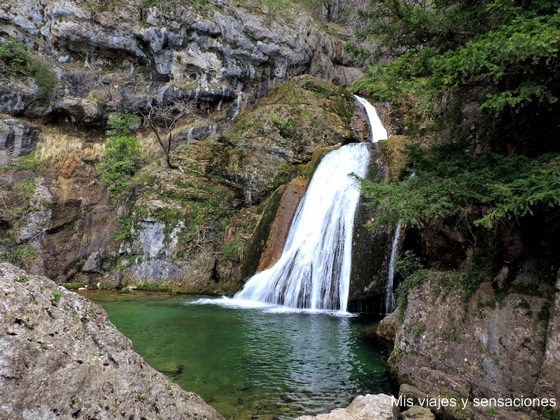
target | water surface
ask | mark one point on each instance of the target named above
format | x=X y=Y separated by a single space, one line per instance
x=251 y=362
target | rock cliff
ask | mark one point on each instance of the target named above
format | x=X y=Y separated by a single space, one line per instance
x=113 y=56
x=477 y=347
x=69 y=66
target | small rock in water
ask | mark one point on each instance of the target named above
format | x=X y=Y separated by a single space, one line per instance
x=364 y=407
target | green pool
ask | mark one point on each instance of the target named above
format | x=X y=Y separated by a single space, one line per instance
x=251 y=362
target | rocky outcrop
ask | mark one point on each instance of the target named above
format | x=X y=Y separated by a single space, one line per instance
x=196 y=228
x=549 y=382
x=289 y=201
x=61 y=358
x=371 y=249
x=16 y=139
x=487 y=345
x=364 y=407
x=113 y=58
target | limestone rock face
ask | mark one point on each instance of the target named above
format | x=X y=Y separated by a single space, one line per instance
x=60 y=357
x=549 y=382
x=112 y=58
x=16 y=139
x=364 y=407
x=387 y=327
x=477 y=346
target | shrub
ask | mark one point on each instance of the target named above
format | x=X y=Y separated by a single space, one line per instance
x=479 y=190
x=122 y=161
x=122 y=156
x=16 y=59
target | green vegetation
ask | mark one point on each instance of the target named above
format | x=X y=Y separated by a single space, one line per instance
x=122 y=157
x=20 y=255
x=481 y=190
x=414 y=273
x=496 y=54
x=285 y=127
x=22 y=163
x=17 y=60
x=72 y=286
x=124 y=231
x=476 y=86
x=501 y=54
x=477 y=83
x=56 y=296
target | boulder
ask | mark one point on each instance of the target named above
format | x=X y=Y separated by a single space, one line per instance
x=61 y=357
x=418 y=413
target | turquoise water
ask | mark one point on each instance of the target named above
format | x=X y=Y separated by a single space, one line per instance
x=250 y=362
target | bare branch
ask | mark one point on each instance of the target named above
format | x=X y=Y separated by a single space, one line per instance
x=163 y=117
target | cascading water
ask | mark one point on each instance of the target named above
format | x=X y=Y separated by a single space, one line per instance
x=313 y=271
x=378 y=132
x=389 y=293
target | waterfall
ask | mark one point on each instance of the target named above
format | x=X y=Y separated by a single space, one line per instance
x=313 y=271
x=378 y=132
x=389 y=294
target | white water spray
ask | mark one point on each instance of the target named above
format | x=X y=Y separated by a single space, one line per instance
x=313 y=271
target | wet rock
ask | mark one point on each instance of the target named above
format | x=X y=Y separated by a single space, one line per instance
x=62 y=358
x=279 y=229
x=387 y=327
x=364 y=407
x=371 y=250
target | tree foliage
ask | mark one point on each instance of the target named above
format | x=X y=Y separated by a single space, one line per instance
x=480 y=190
x=16 y=60
x=481 y=79
x=503 y=55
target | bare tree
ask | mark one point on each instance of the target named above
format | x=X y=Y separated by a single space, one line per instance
x=162 y=118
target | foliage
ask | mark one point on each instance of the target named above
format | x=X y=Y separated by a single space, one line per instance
x=233 y=250
x=73 y=286
x=22 y=163
x=414 y=273
x=14 y=54
x=122 y=157
x=477 y=190
x=502 y=55
x=19 y=255
x=124 y=231
x=285 y=127
x=16 y=59
x=122 y=125
x=44 y=78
